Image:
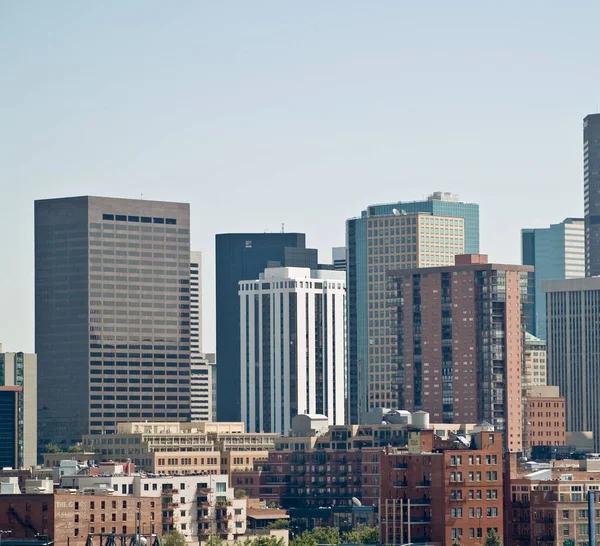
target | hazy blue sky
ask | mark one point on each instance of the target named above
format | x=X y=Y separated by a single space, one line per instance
x=259 y=113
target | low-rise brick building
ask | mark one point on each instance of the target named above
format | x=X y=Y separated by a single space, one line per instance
x=438 y=492
x=547 y=504
x=67 y=517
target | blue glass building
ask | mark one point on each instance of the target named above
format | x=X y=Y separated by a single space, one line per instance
x=437 y=204
x=556 y=252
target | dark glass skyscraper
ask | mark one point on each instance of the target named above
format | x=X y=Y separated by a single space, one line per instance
x=242 y=256
x=112 y=281
x=591 y=193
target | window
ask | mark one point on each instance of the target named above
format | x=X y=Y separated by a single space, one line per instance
x=565 y=530
x=565 y=514
x=221 y=487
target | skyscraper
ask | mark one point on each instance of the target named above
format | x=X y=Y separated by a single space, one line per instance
x=195 y=303
x=112 y=314
x=573 y=311
x=457 y=348
x=242 y=256
x=293 y=351
x=591 y=193
x=338 y=255
x=556 y=252
x=20 y=370
x=372 y=249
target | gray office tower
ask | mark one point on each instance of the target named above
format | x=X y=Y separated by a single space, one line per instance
x=112 y=280
x=241 y=256
x=591 y=193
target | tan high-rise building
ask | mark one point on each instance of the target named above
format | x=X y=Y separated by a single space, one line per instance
x=535 y=362
x=458 y=345
x=20 y=370
x=400 y=241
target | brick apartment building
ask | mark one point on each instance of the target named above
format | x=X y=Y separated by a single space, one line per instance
x=436 y=492
x=457 y=342
x=68 y=517
x=323 y=466
x=544 y=423
x=547 y=504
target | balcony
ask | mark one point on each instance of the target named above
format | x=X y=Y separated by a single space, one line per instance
x=424 y=483
x=420 y=521
x=419 y=502
x=170 y=492
x=203 y=519
x=544 y=519
x=203 y=505
x=400 y=466
x=203 y=490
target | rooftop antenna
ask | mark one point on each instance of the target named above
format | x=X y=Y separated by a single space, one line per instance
x=282 y=227
x=141 y=196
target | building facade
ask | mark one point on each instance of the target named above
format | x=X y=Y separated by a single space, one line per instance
x=182 y=448
x=198 y=506
x=458 y=345
x=20 y=369
x=394 y=236
x=67 y=517
x=544 y=418
x=545 y=506
x=242 y=256
x=292 y=350
x=573 y=310
x=556 y=252
x=338 y=258
x=442 y=492
x=201 y=389
x=112 y=314
x=535 y=373
x=195 y=304
x=591 y=193
x=11 y=440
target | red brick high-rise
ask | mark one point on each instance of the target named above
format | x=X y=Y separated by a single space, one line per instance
x=458 y=342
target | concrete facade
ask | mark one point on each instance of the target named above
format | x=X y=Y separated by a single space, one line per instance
x=573 y=310
x=292 y=347
x=112 y=314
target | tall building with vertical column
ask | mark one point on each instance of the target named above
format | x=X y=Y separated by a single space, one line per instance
x=394 y=236
x=195 y=303
x=556 y=252
x=591 y=193
x=457 y=345
x=112 y=314
x=20 y=370
x=292 y=352
x=573 y=311
x=242 y=256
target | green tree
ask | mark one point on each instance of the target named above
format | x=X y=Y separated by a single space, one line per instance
x=240 y=493
x=76 y=449
x=174 y=538
x=264 y=541
x=492 y=538
x=52 y=448
x=280 y=524
x=362 y=535
x=326 y=535
x=305 y=539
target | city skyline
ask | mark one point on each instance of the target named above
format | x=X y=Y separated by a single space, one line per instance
x=240 y=104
